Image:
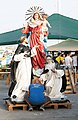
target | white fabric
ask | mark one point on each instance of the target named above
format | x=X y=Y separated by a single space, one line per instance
x=68 y=61
x=50 y=66
x=35 y=23
x=37 y=72
x=74 y=59
x=54 y=83
x=19 y=57
x=23 y=77
x=33 y=52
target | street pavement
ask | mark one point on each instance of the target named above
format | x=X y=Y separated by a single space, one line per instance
x=48 y=114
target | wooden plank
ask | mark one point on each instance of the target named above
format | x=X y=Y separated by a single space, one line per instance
x=7 y=78
x=76 y=77
x=5 y=72
x=67 y=105
x=11 y=106
x=68 y=87
x=68 y=92
x=72 y=81
x=71 y=88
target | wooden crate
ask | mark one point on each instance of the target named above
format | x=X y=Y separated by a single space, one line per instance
x=7 y=78
x=76 y=77
x=70 y=88
x=1 y=75
x=11 y=106
x=67 y=105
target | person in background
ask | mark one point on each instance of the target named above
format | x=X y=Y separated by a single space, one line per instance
x=59 y=60
x=68 y=61
x=69 y=66
x=74 y=60
x=75 y=64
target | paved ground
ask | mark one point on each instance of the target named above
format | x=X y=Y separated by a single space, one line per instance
x=49 y=114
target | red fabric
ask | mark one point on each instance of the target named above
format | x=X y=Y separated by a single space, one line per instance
x=39 y=60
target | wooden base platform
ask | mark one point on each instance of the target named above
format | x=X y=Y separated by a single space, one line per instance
x=67 y=105
x=55 y=105
x=11 y=106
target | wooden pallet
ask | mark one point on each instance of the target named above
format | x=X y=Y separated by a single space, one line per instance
x=76 y=77
x=70 y=88
x=11 y=106
x=7 y=78
x=67 y=105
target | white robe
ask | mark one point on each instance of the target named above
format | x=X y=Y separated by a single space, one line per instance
x=53 y=84
x=56 y=84
x=23 y=76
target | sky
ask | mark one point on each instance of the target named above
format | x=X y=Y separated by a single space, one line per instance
x=12 y=12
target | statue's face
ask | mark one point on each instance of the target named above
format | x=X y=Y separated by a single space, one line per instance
x=49 y=60
x=36 y=16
